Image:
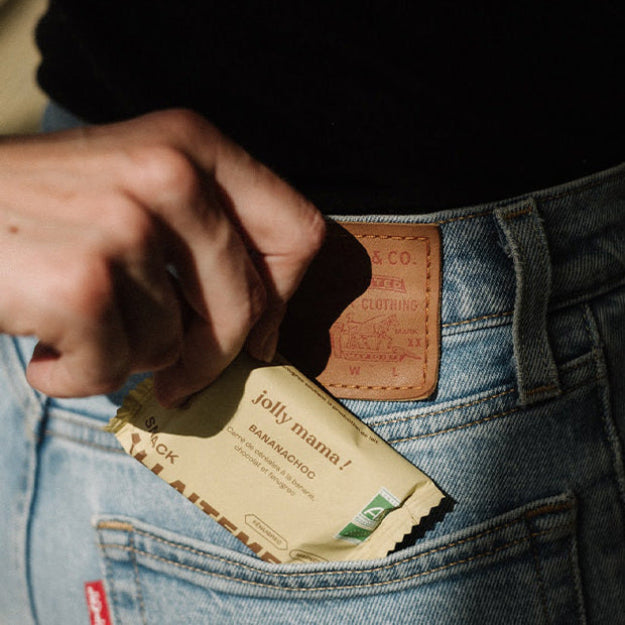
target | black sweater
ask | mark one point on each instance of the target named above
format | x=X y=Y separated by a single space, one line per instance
x=384 y=108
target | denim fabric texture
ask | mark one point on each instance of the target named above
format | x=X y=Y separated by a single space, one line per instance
x=525 y=434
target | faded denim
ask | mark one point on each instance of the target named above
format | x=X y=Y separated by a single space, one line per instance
x=525 y=434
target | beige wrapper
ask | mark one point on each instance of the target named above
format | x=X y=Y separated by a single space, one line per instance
x=280 y=464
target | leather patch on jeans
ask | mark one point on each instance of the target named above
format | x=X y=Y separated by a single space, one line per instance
x=365 y=321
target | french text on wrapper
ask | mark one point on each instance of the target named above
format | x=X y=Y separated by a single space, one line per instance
x=291 y=480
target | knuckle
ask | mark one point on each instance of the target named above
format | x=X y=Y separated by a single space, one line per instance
x=310 y=235
x=316 y=230
x=170 y=171
x=186 y=120
x=125 y=227
x=184 y=124
x=86 y=288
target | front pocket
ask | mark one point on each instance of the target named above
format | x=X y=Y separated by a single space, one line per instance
x=519 y=567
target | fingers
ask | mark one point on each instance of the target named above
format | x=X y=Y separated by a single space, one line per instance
x=143 y=290
x=83 y=347
x=104 y=213
x=103 y=307
x=280 y=226
x=91 y=349
x=278 y=223
x=243 y=239
x=226 y=297
x=92 y=361
x=280 y=229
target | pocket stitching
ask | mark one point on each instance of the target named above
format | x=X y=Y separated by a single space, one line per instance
x=539 y=570
x=378 y=584
x=579 y=363
x=470 y=404
x=295 y=573
x=538 y=511
x=135 y=568
x=589 y=382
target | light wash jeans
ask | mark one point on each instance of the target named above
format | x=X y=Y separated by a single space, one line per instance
x=525 y=434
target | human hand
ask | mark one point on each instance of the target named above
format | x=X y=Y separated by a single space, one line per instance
x=92 y=223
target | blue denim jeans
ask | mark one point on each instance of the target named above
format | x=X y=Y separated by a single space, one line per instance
x=525 y=433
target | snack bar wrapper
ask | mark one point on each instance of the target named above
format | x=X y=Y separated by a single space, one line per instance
x=280 y=464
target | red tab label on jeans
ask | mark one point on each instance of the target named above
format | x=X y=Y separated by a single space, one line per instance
x=96 y=603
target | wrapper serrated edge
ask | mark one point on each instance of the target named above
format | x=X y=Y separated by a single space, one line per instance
x=133 y=403
x=397 y=524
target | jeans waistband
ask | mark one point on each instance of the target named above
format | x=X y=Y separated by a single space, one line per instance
x=527 y=255
x=581 y=223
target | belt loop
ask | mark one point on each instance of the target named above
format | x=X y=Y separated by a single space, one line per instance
x=537 y=374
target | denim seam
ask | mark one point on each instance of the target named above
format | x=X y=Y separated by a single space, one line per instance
x=557 y=304
x=455 y=428
x=542 y=510
x=542 y=389
x=388 y=236
x=550 y=508
x=539 y=572
x=577 y=582
x=80 y=441
x=589 y=335
x=30 y=494
x=428 y=293
x=444 y=410
x=400 y=580
x=135 y=567
x=402 y=419
x=506 y=413
x=583 y=297
x=528 y=253
x=610 y=432
x=76 y=419
x=548 y=362
x=518 y=213
x=452 y=324
x=609 y=179
x=295 y=573
x=485 y=213
x=108 y=574
x=582 y=364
